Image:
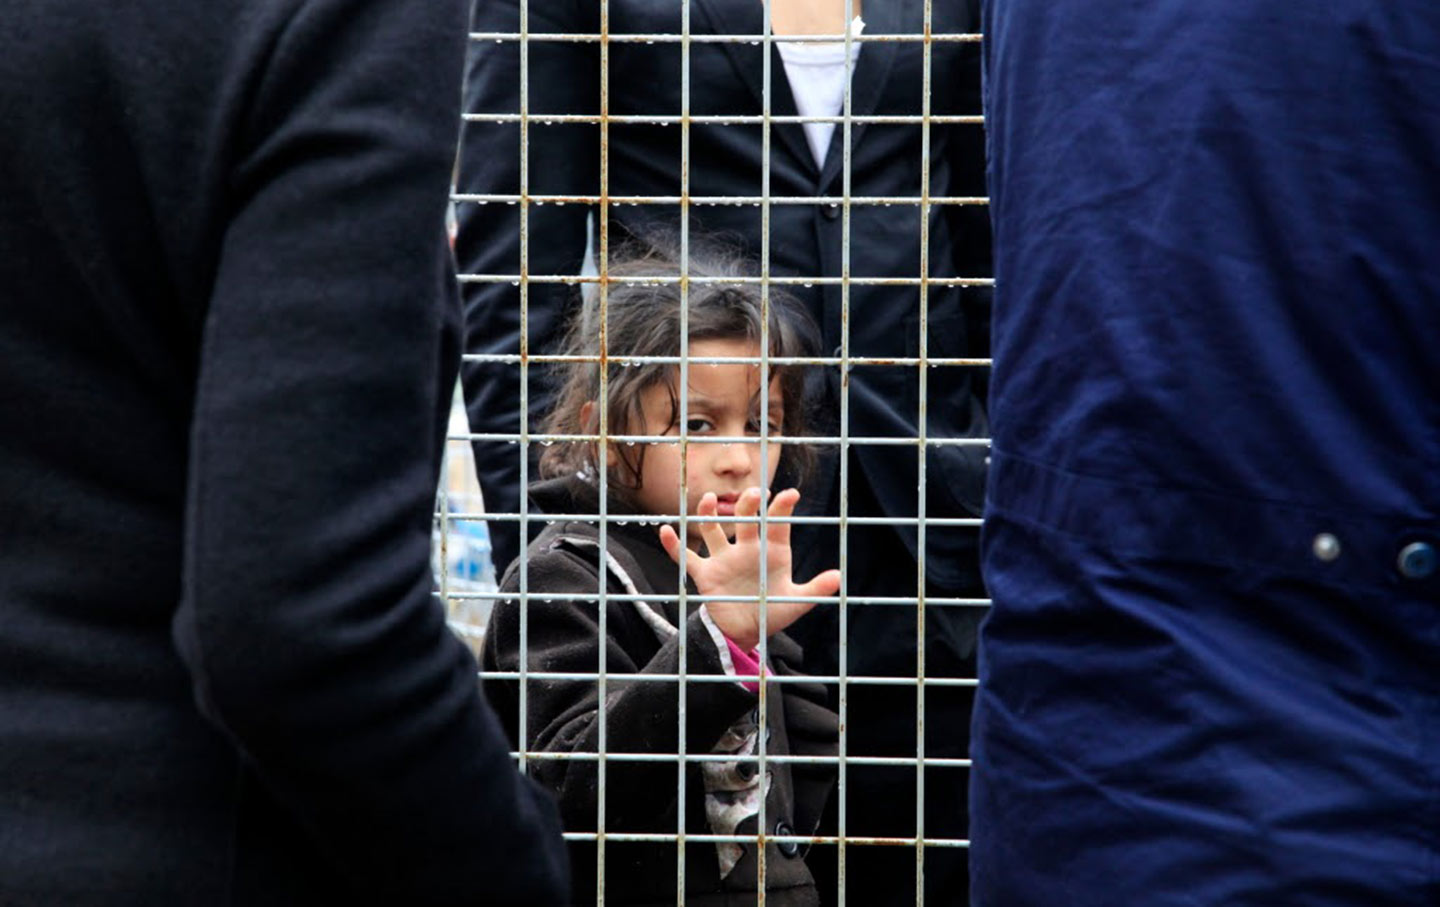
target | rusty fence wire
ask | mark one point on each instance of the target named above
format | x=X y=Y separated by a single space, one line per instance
x=466 y=578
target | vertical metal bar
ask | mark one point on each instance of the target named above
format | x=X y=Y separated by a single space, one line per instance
x=602 y=231
x=524 y=448
x=762 y=819
x=442 y=513
x=844 y=453
x=684 y=394
x=921 y=430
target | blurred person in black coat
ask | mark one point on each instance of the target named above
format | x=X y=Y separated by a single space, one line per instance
x=230 y=337
x=805 y=241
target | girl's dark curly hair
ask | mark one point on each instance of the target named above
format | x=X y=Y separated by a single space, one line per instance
x=643 y=319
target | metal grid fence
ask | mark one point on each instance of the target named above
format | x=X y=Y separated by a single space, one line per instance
x=459 y=514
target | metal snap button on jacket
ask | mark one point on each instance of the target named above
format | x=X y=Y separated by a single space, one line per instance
x=786 y=848
x=1417 y=560
x=1326 y=547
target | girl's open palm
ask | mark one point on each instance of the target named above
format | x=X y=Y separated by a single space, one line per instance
x=733 y=568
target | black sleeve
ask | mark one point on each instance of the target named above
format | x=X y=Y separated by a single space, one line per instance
x=563 y=78
x=306 y=616
x=811 y=729
x=970 y=224
x=641 y=716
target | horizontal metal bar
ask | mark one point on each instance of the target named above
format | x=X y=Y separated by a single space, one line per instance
x=871 y=601
x=515 y=280
x=906 y=601
x=809 y=440
x=851 y=679
x=623 y=519
x=501 y=37
x=720 y=119
x=850 y=840
x=533 y=358
x=674 y=758
x=753 y=201
x=888 y=601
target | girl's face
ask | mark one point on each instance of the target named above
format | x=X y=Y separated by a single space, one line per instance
x=723 y=400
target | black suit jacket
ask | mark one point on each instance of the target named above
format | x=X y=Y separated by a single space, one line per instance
x=229 y=335
x=805 y=239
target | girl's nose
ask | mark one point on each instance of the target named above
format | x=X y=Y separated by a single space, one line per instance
x=736 y=459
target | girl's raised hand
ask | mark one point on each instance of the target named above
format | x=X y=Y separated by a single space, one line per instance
x=733 y=568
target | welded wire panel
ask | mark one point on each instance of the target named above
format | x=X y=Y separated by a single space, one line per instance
x=584 y=130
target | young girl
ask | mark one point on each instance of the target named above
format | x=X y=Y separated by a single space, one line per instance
x=726 y=479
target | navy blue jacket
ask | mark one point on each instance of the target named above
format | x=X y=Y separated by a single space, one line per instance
x=1212 y=670
x=229 y=334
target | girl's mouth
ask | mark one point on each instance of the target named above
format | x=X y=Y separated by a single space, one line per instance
x=725 y=504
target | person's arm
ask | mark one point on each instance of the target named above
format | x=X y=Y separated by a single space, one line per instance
x=563 y=716
x=970 y=224
x=563 y=78
x=306 y=617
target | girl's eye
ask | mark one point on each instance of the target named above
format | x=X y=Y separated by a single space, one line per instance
x=754 y=426
x=695 y=426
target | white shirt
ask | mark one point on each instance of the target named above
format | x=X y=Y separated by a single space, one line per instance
x=817 y=74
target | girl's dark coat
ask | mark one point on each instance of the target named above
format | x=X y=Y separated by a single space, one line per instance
x=561 y=716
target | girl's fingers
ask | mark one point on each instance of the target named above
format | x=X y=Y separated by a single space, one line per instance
x=670 y=541
x=710 y=531
x=747 y=508
x=824 y=585
x=782 y=508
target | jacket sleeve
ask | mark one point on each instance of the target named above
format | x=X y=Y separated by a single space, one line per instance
x=812 y=729
x=306 y=617
x=970 y=224
x=641 y=716
x=563 y=78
